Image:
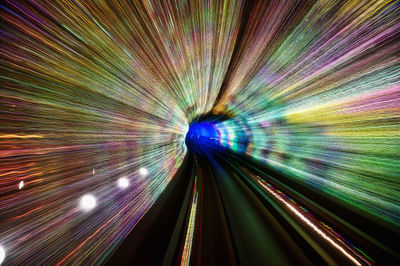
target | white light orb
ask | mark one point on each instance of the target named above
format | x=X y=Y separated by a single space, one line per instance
x=2 y=254
x=143 y=172
x=21 y=185
x=123 y=182
x=88 y=202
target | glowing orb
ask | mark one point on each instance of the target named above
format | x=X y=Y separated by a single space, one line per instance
x=123 y=182
x=143 y=172
x=2 y=254
x=88 y=202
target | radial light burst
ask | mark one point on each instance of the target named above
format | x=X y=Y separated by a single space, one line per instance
x=96 y=99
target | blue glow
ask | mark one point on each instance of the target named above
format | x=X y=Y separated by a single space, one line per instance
x=203 y=133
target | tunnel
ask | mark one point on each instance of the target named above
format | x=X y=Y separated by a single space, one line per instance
x=192 y=132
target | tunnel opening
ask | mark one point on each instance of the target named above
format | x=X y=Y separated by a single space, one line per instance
x=203 y=131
